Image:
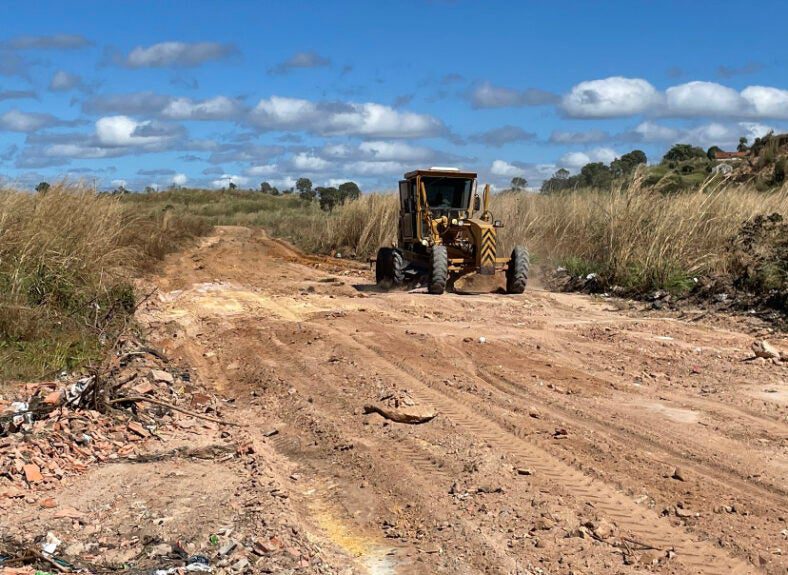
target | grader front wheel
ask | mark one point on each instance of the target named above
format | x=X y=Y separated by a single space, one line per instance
x=517 y=272
x=439 y=270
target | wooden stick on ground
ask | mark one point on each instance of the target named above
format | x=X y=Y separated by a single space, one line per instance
x=398 y=416
x=174 y=408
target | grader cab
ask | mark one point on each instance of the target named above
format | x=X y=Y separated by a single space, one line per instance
x=448 y=235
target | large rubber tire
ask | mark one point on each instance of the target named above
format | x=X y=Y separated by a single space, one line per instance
x=389 y=268
x=517 y=273
x=439 y=270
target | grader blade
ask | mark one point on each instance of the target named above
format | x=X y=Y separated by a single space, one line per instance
x=478 y=283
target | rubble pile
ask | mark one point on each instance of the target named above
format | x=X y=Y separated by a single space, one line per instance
x=56 y=429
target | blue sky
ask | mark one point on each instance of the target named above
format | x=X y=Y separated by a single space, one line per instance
x=203 y=93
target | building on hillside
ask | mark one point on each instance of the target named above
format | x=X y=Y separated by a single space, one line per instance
x=724 y=156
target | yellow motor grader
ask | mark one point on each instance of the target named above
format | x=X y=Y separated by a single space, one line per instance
x=443 y=237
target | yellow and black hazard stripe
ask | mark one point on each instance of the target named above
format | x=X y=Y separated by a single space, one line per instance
x=487 y=251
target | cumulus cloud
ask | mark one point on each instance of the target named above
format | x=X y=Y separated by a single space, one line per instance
x=325 y=118
x=63 y=81
x=366 y=168
x=300 y=60
x=51 y=42
x=179 y=179
x=122 y=131
x=309 y=163
x=577 y=160
x=503 y=168
x=610 y=97
x=703 y=99
x=653 y=132
x=621 y=97
x=218 y=108
x=766 y=102
x=486 y=95
x=227 y=179
x=263 y=170
x=561 y=137
x=177 y=54
x=714 y=133
x=17 y=121
x=387 y=151
x=508 y=134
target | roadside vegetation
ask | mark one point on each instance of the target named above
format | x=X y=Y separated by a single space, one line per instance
x=67 y=259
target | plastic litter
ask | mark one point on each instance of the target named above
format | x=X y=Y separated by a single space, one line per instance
x=50 y=544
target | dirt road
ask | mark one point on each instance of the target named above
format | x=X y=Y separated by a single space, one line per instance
x=570 y=437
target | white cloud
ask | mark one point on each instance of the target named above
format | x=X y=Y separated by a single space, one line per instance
x=383 y=151
x=577 y=160
x=365 y=168
x=218 y=108
x=502 y=168
x=610 y=97
x=262 y=170
x=766 y=102
x=755 y=130
x=653 y=132
x=121 y=131
x=309 y=162
x=184 y=54
x=369 y=119
x=16 y=121
x=180 y=179
x=63 y=81
x=703 y=99
x=226 y=179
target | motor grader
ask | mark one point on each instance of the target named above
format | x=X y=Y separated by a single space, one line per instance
x=443 y=237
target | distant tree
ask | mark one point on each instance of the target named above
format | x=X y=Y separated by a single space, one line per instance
x=43 y=187
x=561 y=180
x=627 y=163
x=329 y=198
x=683 y=152
x=149 y=189
x=304 y=187
x=287 y=192
x=232 y=186
x=119 y=191
x=519 y=183
x=711 y=153
x=596 y=175
x=265 y=188
x=274 y=191
x=742 y=147
x=348 y=191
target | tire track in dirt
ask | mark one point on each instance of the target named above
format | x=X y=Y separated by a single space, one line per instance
x=644 y=524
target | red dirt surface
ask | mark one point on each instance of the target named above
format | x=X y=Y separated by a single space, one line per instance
x=571 y=437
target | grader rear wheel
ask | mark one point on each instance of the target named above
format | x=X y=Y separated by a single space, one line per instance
x=389 y=268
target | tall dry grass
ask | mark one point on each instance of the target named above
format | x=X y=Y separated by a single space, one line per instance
x=632 y=236
x=66 y=262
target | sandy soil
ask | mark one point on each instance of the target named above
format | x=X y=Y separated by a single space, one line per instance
x=571 y=437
